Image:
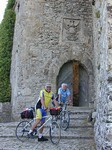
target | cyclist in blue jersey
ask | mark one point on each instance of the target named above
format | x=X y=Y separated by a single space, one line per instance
x=64 y=94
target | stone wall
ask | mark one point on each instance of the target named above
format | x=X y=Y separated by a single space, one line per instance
x=48 y=33
x=102 y=12
x=5 y=112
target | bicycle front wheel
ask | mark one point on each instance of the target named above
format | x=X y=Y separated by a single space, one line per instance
x=64 y=119
x=55 y=132
x=22 y=130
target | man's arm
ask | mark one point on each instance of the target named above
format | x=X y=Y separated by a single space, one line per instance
x=69 y=96
x=56 y=103
x=59 y=95
x=54 y=100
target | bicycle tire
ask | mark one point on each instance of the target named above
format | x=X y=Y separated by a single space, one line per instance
x=55 y=132
x=64 y=120
x=22 y=130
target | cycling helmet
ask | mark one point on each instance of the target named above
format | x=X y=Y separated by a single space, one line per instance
x=47 y=85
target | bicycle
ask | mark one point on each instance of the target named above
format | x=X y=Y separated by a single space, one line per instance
x=64 y=116
x=23 y=128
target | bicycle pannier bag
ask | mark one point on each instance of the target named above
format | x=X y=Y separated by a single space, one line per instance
x=27 y=114
x=55 y=111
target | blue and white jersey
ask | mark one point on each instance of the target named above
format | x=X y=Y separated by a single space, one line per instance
x=64 y=94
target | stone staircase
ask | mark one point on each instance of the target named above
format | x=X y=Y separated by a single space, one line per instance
x=79 y=136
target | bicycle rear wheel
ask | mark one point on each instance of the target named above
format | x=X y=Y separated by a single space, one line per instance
x=22 y=130
x=55 y=132
x=64 y=119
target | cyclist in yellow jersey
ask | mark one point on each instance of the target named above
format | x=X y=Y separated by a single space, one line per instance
x=46 y=95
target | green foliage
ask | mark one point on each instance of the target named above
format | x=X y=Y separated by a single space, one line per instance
x=10 y=4
x=6 y=42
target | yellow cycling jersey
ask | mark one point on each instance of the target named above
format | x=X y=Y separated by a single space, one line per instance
x=48 y=96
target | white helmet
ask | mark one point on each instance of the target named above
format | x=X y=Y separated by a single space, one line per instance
x=47 y=85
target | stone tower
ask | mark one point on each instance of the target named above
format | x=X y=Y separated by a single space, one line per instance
x=65 y=41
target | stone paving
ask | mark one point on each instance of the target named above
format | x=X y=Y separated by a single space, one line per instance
x=14 y=144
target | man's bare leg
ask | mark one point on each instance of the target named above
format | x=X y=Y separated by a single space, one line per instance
x=37 y=121
x=41 y=138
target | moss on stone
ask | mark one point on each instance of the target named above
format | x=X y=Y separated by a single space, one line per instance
x=98 y=14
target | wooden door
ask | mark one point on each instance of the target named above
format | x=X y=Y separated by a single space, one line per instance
x=75 y=84
x=83 y=87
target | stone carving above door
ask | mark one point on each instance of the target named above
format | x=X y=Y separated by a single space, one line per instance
x=71 y=30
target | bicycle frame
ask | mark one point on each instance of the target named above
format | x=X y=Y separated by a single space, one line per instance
x=64 y=106
x=64 y=116
x=50 y=118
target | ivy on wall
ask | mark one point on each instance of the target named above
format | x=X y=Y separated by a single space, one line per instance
x=6 y=43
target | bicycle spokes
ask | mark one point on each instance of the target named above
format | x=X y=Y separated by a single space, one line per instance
x=22 y=130
x=64 y=120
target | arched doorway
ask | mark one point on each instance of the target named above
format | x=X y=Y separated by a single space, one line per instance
x=75 y=75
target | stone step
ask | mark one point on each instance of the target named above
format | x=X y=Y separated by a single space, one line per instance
x=79 y=109
x=79 y=112
x=78 y=116
x=64 y=144
x=64 y=134
x=9 y=131
x=79 y=123
x=77 y=133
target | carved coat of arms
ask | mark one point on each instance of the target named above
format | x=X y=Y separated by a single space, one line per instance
x=71 y=29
